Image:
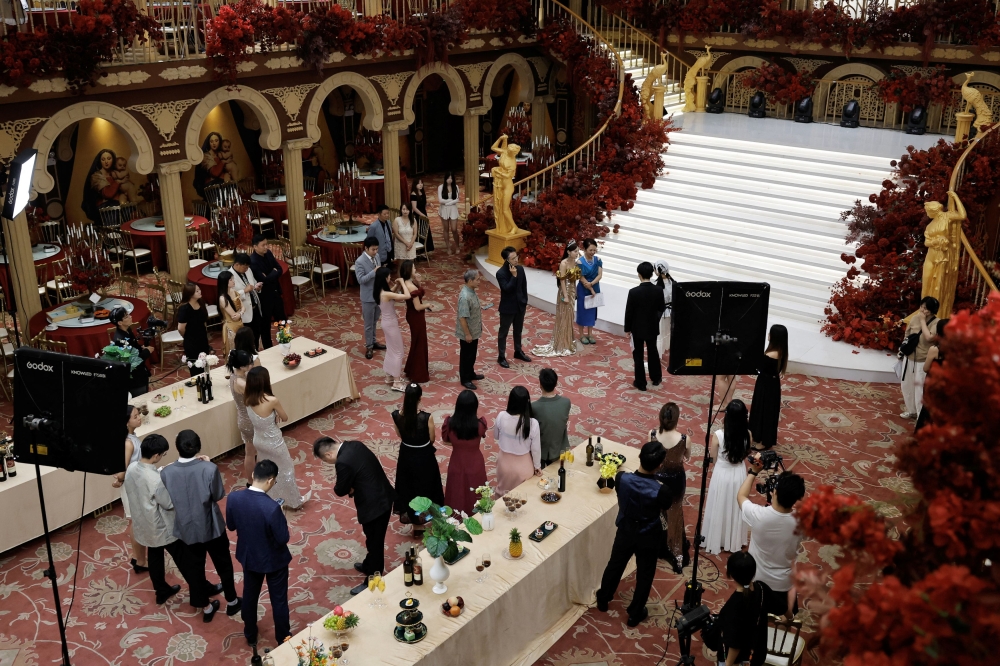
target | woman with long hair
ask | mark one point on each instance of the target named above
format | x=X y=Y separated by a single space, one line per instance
x=133 y=419
x=386 y=298
x=239 y=364
x=418 y=197
x=765 y=408
x=265 y=412
x=416 y=368
x=448 y=210
x=519 y=439
x=417 y=472
x=231 y=308
x=678 y=448
x=563 y=343
x=724 y=528
x=743 y=618
x=404 y=233
x=244 y=341
x=463 y=431
x=192 y=324
x=591 y=272
x=665 y=282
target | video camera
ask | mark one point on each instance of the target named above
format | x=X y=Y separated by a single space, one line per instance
x=153 y=325
x=768 y=460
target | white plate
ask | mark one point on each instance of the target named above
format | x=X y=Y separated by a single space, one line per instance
x=107 y=304
x=52 y=327
x=506 y=553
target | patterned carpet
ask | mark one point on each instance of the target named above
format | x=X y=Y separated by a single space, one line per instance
x=832 y=432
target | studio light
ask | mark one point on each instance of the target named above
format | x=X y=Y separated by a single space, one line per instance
x=917 y=122
x=716 y=102
x=804 y=110
x=758 y=106
x=19 y=183
x=851 y=114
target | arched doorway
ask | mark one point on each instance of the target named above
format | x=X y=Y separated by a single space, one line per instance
x=435 y=131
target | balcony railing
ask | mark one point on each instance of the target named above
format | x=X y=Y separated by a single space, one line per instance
x=973 y=278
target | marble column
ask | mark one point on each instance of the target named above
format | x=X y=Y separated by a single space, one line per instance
x=23 y=279
x=471 y=171
x=390 y=162
x=537 y=119
x=172 y=202
x=294 y=200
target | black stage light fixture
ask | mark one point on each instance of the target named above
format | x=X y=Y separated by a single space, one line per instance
x=716 y=101
x=758 y=106
x=804 y=110
x=917 y=122
x=851 y=115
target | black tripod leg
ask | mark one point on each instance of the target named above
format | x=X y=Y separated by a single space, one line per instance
x=51 y=571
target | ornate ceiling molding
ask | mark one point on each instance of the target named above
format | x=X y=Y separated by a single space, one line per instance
x=12 y=133
x=474 y=73
x=165 y=116
x=392 y=84
x=291 y=98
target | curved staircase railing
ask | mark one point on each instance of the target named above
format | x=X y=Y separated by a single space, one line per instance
x=971 y=271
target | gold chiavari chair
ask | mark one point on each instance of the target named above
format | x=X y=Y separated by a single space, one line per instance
x=352 y=252
x=246 y=187
x=137 y=255
x=202 y=208
x=303 y=262
x=130 y=211
x=128 y=286
x=111 y=217
x=204 y=245
x=175 y=291
x=50 y=231
x=53 y=346
x=258 y=221
x=159 y=301
x=423 y=231
x=194 y=255
x=60 y=284
x=281 y=248
x=308 y=184
x=323 y=270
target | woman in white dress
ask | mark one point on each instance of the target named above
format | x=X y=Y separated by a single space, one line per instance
x=665 y=282
x=404 y=234
x=132 y=454
x=724 y=528
x=448 y=210
x=265 y=412
x=239 y=364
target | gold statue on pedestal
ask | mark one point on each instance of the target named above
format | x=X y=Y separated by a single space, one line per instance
x=646 y=93
x=942 y=238
x=974 y=100
x=691 y=79
x=503 y=184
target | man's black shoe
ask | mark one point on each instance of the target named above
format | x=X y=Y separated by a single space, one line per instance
x=378 y=346
x=174 y=589
x=479 y=377
x=469 y=385
x=369 y=353
x=521 y=356
x=215 y=590
x=641 y=387
x=359 y=568
x=355 y=591
x=657 y=383
x=636 y=621
x=502 y=362
x=233 y=609
x=208 y=617
x=602 y=605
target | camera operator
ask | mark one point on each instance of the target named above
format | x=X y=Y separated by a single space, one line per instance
x=124 y=337
x=773 y=539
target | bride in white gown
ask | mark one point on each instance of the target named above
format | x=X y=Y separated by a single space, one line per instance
x=724 y=528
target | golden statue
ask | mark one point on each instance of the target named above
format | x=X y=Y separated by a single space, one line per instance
x=974 y=100
x=691 y=79
x=942 y=238
x=503 y=184
x=646 y=93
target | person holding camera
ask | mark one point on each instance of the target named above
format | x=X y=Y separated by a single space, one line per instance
x=774 y=543
x=124 y=337
x=919 y=337
x=743 y=619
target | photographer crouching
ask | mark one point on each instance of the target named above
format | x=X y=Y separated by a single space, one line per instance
x=774 y=543
x=124 y=337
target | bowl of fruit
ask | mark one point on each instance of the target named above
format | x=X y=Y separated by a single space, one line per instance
x=453 y=607
x=292 y=361
x=162 y=412
x=341 y=621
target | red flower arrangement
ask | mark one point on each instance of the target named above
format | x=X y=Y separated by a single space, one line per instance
x=911 y=90
x=231 y=228
x=937 y=602
x=89 y=266
x=778 y=85
x=229 y=40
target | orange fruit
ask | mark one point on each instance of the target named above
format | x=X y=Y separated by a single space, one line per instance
x=455 y=611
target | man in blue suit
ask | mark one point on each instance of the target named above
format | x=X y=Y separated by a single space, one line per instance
x=262 y=549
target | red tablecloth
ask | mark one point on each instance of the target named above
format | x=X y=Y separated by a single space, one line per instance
x=92 y=339
x=156 y=241
x=210 y=291
x=277 y=210
x=331 y=253
x=44 y=274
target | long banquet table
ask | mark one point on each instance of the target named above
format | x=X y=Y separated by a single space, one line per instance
x=314 y=385
x=522 y=603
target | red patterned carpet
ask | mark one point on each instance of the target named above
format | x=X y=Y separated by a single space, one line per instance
x=832 y=432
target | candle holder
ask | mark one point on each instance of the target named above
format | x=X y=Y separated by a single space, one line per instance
x=350 y=195
x=231 y=228
x=88 y=263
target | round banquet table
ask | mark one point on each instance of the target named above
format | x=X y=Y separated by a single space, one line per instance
x=275 y=208
x=88 y=340
x=41 y=257
x=209 y=284
x=332 y=248
x=145 y=234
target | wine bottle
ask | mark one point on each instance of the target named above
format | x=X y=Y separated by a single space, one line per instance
x=197 y=387
x=407 y=570
x=599 y=448
x=11 y=465
x=418 y=567
x=3 y=468
x=562 y=476
x=590 y=452
x=204 y=390
x=208 y=382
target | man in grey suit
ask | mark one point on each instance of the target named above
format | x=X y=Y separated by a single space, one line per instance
x=195 y=485
x=382 y=230
x=364 y=271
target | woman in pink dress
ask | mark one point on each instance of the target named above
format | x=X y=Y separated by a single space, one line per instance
x=463 y=431
x=386 y=297
x=518 y=438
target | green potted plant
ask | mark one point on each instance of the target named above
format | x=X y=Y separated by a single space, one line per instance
x=441 y=536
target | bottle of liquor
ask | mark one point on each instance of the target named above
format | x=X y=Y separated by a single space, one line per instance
x=418 y=567
x=599 y=448
x=11 y=465
x=3 y=465
x=204 y=389
x=208 y=382
x=407 y=570
x=562 y=476
x=197 y=387
x=590 y=452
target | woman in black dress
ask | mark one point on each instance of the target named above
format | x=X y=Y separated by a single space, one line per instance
x=418 y=204
x=766 y=405
x=417 y=472
x=124 y=337
x=192 y=324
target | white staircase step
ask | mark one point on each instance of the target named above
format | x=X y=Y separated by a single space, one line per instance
x=810 y=154
x=781 y=166
x=734 y=185
x=678 y=183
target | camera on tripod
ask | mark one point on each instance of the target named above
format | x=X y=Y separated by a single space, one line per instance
x=769 y=460
x=153 y=325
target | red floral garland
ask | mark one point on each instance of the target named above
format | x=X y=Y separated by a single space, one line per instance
x=911 y=90
x=779 y=85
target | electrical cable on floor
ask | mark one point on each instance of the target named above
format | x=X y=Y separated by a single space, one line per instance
x=79 y=538
x=670 y=624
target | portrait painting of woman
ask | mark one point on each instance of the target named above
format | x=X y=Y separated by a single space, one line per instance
x=217 y=164
x=108 y=183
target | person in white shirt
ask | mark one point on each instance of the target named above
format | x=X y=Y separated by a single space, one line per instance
x=448 y=210
x=249 y=288
x=518 y=437
x=774 y=542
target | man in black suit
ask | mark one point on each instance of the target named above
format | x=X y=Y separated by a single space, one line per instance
x=513 y=302
x=643 y=310
x=262 y=549
x=360 y=475
x=266 y=269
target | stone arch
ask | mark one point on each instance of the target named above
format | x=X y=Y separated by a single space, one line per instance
x=140 y=161
x=981 y=76
x=452 y=79
x=735 y=65
x=270 y=129
x=373 y=120
x=524 y=75
x=854 y=69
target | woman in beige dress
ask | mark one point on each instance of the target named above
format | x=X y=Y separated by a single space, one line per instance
x=404 y=234
x=563 y=343
x=678 y=448
x=231 y=308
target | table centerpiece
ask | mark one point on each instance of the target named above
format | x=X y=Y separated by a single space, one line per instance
x=610 y=462
x=230 y=230
x=88 y=263
x=284 y=336
x=484 y=506
x=441 y=537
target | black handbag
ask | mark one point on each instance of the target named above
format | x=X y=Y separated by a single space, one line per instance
x=911 y=341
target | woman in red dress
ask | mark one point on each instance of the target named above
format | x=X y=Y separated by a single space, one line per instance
x=463 y=431
x=416 y=363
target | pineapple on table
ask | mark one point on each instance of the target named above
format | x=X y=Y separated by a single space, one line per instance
x=515 y=544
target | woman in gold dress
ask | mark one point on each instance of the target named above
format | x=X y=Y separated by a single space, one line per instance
x=941 y=236
x=503 y=184
x=563 y=343
x=231 y=309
